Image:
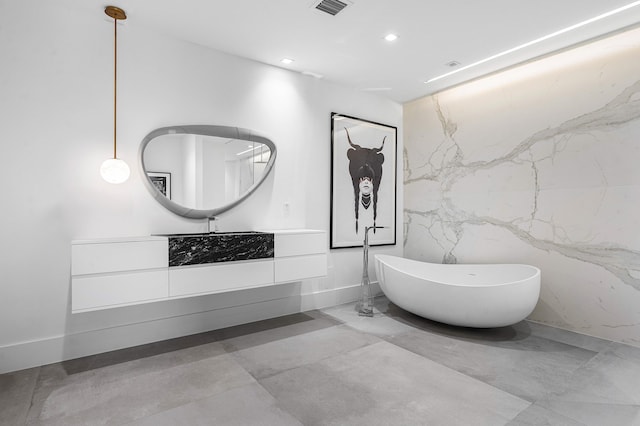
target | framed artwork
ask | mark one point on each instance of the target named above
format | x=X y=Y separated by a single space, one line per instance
x=162 y=181
x=363 y=181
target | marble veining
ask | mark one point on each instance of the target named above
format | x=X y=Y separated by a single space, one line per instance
x=621 y=261
x=543 y=179
x=213 y=248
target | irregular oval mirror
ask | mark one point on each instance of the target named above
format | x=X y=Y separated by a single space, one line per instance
x=200 y=171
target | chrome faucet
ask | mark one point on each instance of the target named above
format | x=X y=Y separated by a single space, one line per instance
x=365 y=304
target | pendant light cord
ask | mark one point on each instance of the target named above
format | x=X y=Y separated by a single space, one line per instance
x=115 y=83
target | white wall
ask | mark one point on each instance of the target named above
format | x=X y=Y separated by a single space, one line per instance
x=538 y=165
x=56 y=112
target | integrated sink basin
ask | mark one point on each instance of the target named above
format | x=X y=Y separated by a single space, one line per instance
x=213 y=247
x=206 y=234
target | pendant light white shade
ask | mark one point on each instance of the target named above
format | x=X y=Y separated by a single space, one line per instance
x=114 y=170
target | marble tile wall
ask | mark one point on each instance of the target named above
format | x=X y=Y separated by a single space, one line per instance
x=540 y=165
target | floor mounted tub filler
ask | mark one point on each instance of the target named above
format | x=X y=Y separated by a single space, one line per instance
x=481 y=296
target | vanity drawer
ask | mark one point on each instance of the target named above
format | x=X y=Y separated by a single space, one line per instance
x=296 y=244
x=118 y=256
x=298 y=268
x=91 y=292
x=214 y=278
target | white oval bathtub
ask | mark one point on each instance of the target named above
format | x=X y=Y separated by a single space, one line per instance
x=466 y=295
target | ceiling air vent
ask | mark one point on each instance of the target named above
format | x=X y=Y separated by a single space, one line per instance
x=332 y=7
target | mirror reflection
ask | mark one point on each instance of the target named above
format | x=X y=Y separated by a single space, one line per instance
x=204 y=171
x=200 y=171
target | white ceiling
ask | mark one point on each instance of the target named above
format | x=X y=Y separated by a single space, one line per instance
x=349 y=48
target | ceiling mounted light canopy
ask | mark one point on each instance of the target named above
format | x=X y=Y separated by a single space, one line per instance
x=115 y=170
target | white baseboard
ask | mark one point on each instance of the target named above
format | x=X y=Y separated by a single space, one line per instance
x=65 y=347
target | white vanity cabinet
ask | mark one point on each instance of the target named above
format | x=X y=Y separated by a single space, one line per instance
x=299 y=254
x=110 y=273
x=118 y=272
x=218 y=277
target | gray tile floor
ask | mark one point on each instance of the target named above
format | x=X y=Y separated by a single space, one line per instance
x=332 y=367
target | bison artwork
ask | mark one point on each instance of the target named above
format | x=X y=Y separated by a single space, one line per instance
x=365 y=168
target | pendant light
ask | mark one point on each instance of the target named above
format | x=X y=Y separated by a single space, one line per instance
x=115 y=170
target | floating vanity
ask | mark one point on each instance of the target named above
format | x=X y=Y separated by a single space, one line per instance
x=109 y=273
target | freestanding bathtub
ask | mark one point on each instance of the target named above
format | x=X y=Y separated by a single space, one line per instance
x=469 y=295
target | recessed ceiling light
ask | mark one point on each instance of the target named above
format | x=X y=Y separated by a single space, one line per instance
x=538 y=40
x=391 y=37
x=286 y=61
